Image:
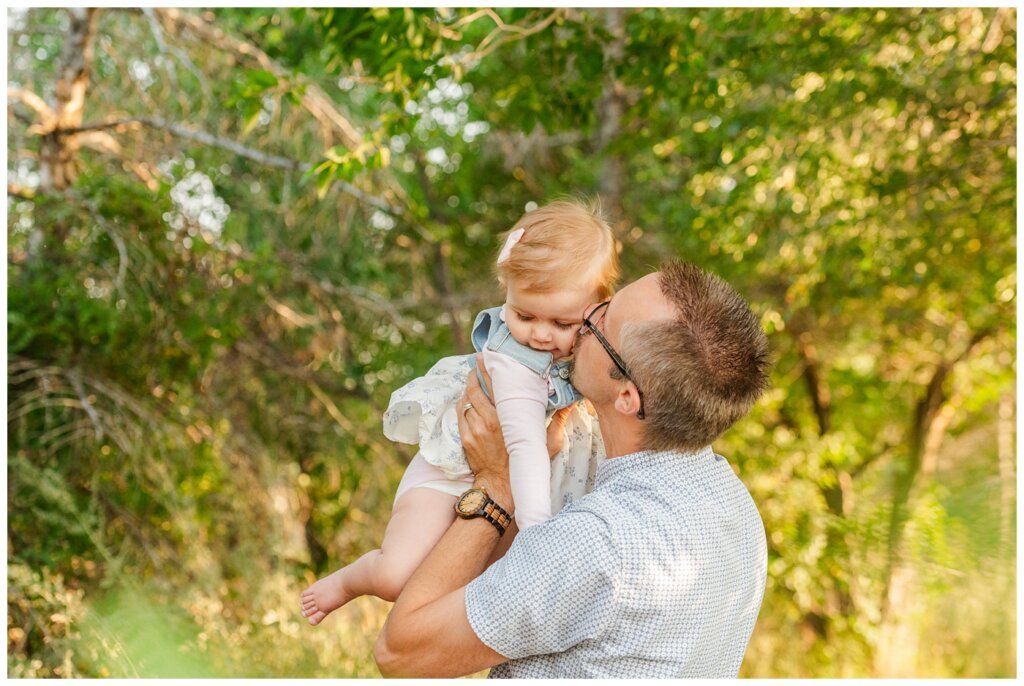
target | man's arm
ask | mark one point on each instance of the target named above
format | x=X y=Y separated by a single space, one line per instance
x=428 y=632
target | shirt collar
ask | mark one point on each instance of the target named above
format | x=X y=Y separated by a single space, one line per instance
x=615 y=467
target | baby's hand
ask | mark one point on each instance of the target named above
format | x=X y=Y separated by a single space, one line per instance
x=556 y=431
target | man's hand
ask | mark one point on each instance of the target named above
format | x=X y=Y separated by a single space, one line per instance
x=480 y=431
x=556 y=431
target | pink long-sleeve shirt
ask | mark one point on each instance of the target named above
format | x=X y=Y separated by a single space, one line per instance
x=521 y=398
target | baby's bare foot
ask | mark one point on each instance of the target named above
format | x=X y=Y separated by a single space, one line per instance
x=324 y=596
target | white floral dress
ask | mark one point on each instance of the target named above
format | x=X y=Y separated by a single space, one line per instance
x=424 y=411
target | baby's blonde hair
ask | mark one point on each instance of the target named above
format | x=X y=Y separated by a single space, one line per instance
x=566 y=241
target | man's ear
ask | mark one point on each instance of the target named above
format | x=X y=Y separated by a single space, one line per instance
x=627 y=401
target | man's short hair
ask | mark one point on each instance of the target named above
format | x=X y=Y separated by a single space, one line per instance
x=703 y=370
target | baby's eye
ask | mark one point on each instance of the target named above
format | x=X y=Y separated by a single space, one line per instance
x=567 y=325
x=524 y=317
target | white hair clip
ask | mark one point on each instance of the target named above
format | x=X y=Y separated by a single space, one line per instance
x=513 y=238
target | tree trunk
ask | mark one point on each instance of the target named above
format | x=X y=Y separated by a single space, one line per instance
x=610 y=109
x=443 y=283
x=821 y=399
x=838 y=599
x=58 y=152
x=930 y=423
x=896 y=653
x=442 y=249
x=1007 y=477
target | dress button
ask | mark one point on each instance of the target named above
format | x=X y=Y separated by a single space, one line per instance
x=564 y=372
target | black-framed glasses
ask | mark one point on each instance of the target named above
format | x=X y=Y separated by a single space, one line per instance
x=588 y=325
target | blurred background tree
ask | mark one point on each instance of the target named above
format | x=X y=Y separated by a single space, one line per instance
x=232 y=233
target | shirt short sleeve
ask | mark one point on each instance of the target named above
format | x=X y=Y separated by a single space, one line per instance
x=554 y=588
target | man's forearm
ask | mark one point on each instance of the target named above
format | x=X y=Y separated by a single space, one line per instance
x=418 y=637
x=428 y=631
x=459 y=557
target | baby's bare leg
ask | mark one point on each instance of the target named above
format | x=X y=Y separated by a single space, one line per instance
x=419 y=519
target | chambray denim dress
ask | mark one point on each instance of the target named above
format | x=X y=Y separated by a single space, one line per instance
x=424 y=411
x=490 y=331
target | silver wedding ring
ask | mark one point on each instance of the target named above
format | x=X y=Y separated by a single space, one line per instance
x=466 y=408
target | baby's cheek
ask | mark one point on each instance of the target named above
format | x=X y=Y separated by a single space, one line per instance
x=566 y=341
x=516 y=328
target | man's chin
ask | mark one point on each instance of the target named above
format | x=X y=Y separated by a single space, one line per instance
x=572 y=376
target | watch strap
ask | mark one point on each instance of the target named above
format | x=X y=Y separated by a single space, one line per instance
x=496 y=515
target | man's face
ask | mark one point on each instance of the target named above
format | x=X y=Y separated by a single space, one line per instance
x=640 y=301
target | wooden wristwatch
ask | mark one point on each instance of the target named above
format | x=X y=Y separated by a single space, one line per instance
x=476 y=503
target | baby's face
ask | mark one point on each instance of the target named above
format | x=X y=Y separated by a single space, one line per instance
x=546 y=321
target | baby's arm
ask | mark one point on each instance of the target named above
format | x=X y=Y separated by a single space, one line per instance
x=521 y=398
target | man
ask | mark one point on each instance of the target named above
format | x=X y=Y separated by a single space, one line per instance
x=660 y=570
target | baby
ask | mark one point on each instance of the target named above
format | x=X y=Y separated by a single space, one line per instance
x=557 y=260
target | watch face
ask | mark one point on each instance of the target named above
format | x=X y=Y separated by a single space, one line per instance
x=471 y=502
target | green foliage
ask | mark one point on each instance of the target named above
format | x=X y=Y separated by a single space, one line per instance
x=202 y=338
x=43 y=614
x=128 y=635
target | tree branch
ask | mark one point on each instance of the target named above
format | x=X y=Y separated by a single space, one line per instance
x=360 y=297
x=506 y=33
x=47 y=117
x=157 y=31
x=816 y=388
x=191 y=134
x=870 y=460
x=122 y=249
x=234 y=147
x=314 y=99
x=76 y=383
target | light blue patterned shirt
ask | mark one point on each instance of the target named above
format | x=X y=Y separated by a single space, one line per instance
x=658 y=572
